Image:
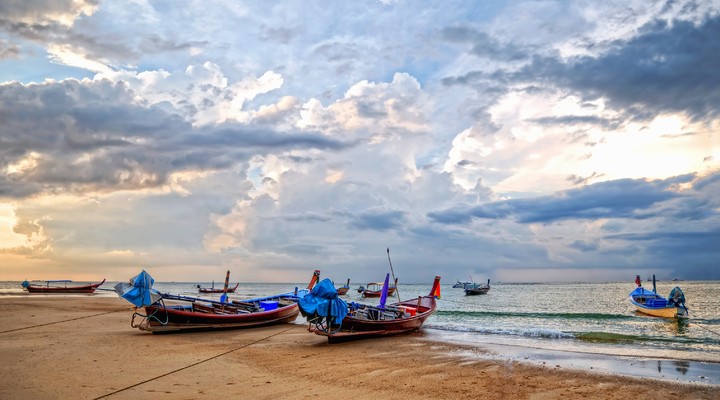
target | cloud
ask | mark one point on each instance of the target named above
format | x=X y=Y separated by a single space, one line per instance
x=667 y=67
x=78 y=136
x=483 y=45
x=543 y=139
x=379 y=220
x=8 y=50
x=624 y=198
x=38 y=13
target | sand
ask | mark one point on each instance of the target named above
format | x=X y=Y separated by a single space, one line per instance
x=84 y=348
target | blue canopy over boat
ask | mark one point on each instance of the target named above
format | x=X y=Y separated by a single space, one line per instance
x=323 y=301
x=139 y=291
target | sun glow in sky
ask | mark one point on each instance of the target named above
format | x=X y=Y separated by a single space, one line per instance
x=517 y=141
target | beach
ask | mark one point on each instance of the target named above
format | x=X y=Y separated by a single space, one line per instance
x=82 y=347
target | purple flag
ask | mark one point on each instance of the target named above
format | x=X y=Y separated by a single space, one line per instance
x=383 y=296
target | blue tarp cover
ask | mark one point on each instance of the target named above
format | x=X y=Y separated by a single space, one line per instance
x=324 y=301
x=139 y=291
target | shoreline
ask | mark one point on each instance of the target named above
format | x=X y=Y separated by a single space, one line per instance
x=683 y=371
x=84 y=347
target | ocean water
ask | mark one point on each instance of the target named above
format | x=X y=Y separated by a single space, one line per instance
x=592 y=318
x=589 y=318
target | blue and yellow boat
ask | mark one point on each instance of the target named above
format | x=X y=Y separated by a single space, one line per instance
x=650 y=303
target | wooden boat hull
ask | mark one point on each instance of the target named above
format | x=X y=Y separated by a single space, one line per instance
x=476 y=291
x=212 y=290
x=666 y=312
x=185 y=319
x=356 y=328
x=662 y=312
x=377 y=293
x=650 y=303
x=342 y=290
x=62 y=290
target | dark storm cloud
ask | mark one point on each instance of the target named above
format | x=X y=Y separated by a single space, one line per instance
x=577 y=120
x=692 y=254
x=668 y=67
x=379 y=220
x=709 y=180
x=242 y=136
x=623 y=198
x=76 y=136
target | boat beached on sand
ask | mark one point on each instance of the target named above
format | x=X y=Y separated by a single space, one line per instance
x=194 y=314
x=650 y=303
x=60 y=287
x=330 y=316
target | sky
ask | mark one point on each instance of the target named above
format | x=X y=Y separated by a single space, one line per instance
x=517 y=141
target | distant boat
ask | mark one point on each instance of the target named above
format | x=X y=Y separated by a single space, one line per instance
x=475 y=289
x=374 y=289
x=650 y=303
x=196 y=314
x=342 y=290
x=225 y=289
x=461 y=285
x=330 y=316
x=60 y=286
x=213 y=289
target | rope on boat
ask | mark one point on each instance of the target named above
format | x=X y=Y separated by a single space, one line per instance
x=150 y=316
x=59 y=322
x=191 y=365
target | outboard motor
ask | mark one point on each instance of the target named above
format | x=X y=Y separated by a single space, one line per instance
x=677 y=297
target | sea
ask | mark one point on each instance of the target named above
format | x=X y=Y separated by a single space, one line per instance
x=568 y=325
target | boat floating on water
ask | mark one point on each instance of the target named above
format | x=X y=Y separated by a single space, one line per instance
x=342 y=290
x=196 y=314
x=374 y=289
x=650 y=303
x=330 y=316
x=60 y=287
x=476 y=288
x=225 y=289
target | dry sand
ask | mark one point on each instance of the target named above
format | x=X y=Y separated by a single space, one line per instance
x=84 y=348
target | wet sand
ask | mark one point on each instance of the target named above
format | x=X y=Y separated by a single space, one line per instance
x=84 y=348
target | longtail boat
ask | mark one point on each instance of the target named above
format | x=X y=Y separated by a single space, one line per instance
x=60 y=286
x=650 y=303
x=195 y=314
x=218 y=290
x=225 y=289
x=374 y=289
x=330 y=316
x=476 y=288
x=342 y=290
